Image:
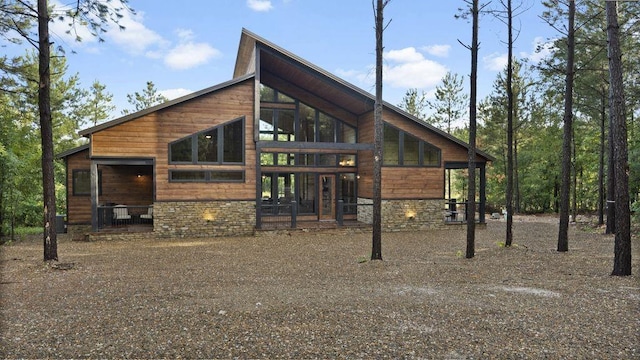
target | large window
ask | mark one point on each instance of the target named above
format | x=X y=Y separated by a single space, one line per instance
x=223 y=144
x=283 y=118
x=402 y=149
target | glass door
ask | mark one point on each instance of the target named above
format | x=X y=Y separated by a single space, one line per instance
x=327 y=197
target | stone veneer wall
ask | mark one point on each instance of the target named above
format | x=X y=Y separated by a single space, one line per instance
x=399 y=215
x=204 y=218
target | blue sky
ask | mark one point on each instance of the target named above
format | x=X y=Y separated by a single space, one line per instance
x=185 y=46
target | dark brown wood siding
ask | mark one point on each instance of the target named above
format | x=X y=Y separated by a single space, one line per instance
x=78 y=206
x=149 y=137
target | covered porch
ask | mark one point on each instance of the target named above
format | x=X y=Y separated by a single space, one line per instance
x=122 y=195
x=456 y=185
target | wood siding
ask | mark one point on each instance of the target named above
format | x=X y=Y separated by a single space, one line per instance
x=78 y=206
x=149 y=136
x=401 y=182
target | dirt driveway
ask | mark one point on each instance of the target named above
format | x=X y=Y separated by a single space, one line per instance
x=315 y=295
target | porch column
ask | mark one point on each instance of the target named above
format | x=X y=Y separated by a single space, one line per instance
x=483 y=192
x=94 y=196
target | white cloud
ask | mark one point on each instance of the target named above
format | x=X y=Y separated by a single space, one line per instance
x=59 y=28
x=136 y=38
x=418 y=74
x=404 y=68
x=175 y=93
x=259 y=5
x=404 y=55
x=408 y=68
x=437 y=50
x=495 y=61
x=189 y=55
x=541 y=49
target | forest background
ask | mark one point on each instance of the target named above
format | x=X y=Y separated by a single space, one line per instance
x=538 y=93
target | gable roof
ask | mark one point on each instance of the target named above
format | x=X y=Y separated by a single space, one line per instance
x=75 y=150
x=164 y=105
x=276 y=61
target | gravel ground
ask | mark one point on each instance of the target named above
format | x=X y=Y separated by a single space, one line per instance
x=316 y=295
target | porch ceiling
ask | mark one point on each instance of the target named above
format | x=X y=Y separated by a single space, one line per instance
x=304 y=77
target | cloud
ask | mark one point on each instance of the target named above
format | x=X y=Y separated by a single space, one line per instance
x=259 y=5
x=175 y=93
x=403 y=69
x=404 y=55
x=437 y=50
x=136 y=38
x=408 y=68
x=65 y=35
x=541 y=49
x=189 y=55
x=495 y=61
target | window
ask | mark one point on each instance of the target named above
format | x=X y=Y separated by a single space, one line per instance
x=283 y=118
x=268 y=94
x=401 y=148
x=82 y=182
x=206 y=176
x=221 y=144
x=390 y=150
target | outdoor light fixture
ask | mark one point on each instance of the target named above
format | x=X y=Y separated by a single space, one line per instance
x=410 y=214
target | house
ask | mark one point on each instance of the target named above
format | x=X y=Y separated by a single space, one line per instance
x=282 y=142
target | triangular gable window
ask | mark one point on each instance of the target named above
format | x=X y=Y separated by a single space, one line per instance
x=403 y=149
x=223 y=144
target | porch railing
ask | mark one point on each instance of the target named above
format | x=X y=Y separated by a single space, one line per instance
x=115 y=216
x=277 y=214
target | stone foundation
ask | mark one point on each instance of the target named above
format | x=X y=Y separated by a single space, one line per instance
x=204 y=218
x=401 y=215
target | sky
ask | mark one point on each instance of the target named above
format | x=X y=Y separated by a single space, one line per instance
x=185 y=46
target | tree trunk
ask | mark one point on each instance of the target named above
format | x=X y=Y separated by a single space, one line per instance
x=611 y=179
x=574 y=177
x=509 y=192
x=601 y=161
x=376 y=246
x=471 y=195
x=563 y=233
x=46 y=133
x=622 y=248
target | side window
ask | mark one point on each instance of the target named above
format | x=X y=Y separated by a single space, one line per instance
x=217 y=145
x=403 y=149
x=81 y=180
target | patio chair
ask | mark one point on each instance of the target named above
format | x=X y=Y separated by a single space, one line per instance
x=148 y=215
x=121 y=213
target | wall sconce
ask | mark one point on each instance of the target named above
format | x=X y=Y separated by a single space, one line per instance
x=410 y=214
x=139 y=175
x=209 y=215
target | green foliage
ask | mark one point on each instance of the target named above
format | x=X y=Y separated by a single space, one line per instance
x=20 y=147
x=415 y=103
x=146 y=99
x=450 y=103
